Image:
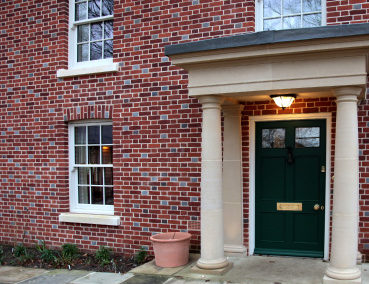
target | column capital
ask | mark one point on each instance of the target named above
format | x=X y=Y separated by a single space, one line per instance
x=232 y=110
x=348 y=92
x=210 y=101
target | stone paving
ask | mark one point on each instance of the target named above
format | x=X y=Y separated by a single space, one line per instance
x=246 y=270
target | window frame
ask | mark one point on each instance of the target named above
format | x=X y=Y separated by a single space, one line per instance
x=72 y=41
x=76 y=207
x=259 y=15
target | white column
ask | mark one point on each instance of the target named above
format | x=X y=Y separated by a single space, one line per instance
x=232 y=179
x=212 y=244
x=342 y=267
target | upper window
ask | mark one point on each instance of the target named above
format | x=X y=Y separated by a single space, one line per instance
x=91 y=167
x=289 y=14
x=91 y=40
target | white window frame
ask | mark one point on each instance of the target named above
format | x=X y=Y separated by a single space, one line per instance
x=259 y=15
x=75 y=207
x=86 y=67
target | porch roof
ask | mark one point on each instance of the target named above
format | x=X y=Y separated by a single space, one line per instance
x=269 y=37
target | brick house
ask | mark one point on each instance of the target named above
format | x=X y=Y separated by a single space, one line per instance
x=121 y=119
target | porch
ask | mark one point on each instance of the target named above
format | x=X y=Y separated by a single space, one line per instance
x=225 y=74
x=250 y=270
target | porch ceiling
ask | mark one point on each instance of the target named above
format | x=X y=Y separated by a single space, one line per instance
x=310 y=62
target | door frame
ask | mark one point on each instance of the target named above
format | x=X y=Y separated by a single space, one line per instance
x=309 y=116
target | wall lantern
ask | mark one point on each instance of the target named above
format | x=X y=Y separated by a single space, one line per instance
x=284 y=101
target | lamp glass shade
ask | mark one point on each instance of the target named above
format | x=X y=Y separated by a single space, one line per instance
x=283 y=101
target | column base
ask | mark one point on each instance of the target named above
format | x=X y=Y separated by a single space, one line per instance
x=343 y=273
x=236 y=249
x=212 y=264
x=329 y=280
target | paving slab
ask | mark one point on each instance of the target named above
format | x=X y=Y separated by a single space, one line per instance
x=365 y=273
x=57 y=276
x=183 y=281
x=151 y=268
x=147 y=279
x=102 y=278
x=264 y=269
x=11 y=274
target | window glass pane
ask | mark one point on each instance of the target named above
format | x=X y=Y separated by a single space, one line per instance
x=94 y=8
x=83 y=194
x=311 y=5
x=273 y=138
x=80 y=135
x=108 y=49
x=94 y=134
x=108 y=29
x=94 y=154
x=291 y=7
x=307 y=142
x=312 y=20
x=82 y=33
x=96 y=31
x=107 y=8
x=97 y=195
x=272 y=24
x=272 y=8
x=107 y=135
x=292 y=22
x=83 y=176
x=96 y=50
x=82 y=52
x=97 y=176
x=307 y=137
x=304 y=132
x=81 y=11
x=80 y=155
x=109 y=196
x=107 y=157
x=108 y=176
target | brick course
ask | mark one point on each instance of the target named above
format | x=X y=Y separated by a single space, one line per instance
x=156 y=125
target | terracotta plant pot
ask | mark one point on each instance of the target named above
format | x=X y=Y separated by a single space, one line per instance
x=171 y=249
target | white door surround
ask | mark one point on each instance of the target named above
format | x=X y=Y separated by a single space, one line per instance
x=252 y=121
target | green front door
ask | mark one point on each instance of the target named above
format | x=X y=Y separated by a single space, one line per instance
x=290 y=187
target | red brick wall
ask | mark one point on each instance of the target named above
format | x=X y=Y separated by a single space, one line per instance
x=156 y=126
x=347 y=12
x=363 y=176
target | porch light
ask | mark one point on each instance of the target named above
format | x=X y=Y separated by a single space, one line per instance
x=283 y=101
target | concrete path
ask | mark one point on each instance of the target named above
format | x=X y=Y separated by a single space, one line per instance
x=249 y=270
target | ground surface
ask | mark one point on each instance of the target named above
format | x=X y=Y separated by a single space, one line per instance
x=243 y=270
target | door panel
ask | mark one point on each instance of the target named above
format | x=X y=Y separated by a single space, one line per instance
x=274 y=186
x=307 y=178
x=289 y=158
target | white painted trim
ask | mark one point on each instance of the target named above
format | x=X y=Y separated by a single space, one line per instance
x=87 y=67
x=258 y=15
x=259 y=12
x=90 y=219
x=73 y=177
x=95 y=68
x=252 y=121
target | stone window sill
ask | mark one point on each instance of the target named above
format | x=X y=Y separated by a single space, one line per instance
x=89 y=219
x=106 y=68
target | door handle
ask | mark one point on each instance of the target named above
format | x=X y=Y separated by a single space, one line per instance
x=290 y=155
x=316 y=207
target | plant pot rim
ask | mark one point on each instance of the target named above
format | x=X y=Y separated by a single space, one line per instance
x=171 y=237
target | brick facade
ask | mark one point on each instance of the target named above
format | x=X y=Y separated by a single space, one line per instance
x=156 y=125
